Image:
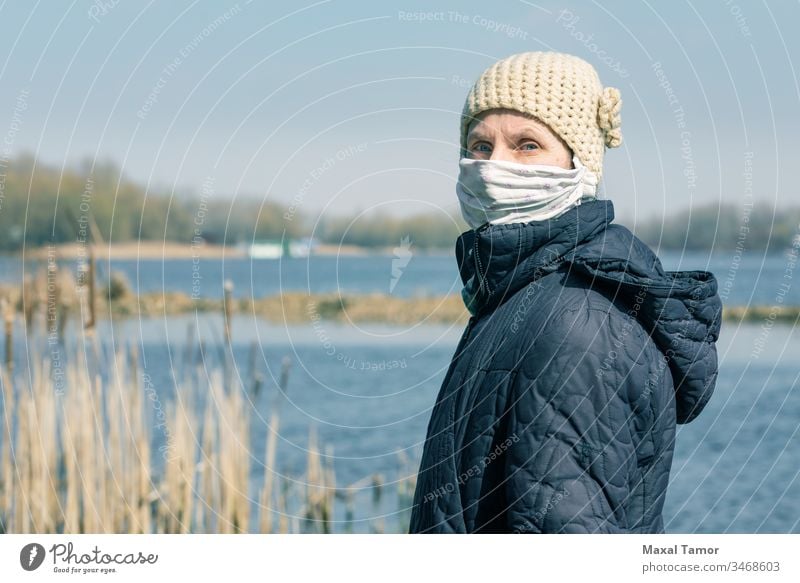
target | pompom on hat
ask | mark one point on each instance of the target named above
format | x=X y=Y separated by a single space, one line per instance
x=563 y=91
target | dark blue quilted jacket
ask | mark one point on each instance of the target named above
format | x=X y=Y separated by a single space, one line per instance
x=559 y=408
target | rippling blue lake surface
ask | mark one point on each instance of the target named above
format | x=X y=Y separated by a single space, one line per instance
x=369 y=389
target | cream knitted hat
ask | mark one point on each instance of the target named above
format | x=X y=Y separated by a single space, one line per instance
x=560 y=90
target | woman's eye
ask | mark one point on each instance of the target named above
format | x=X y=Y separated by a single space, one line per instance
x=530 y=146
x=482 y=147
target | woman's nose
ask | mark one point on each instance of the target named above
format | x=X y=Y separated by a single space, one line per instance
x=500 y=152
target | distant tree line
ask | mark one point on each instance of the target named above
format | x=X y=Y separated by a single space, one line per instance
x=41 y=204
x=724 y=227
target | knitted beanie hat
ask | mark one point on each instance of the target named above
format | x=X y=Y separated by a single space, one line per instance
x=560 y=90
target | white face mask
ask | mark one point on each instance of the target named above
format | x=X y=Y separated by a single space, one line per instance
x=501 y=192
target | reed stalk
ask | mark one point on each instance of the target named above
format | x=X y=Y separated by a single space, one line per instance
x=84 y=459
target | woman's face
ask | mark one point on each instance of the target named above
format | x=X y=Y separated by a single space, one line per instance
x=504 y=134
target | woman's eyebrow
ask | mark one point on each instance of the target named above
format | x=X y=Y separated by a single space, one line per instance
x=524 y=131
x=521 y=132
x=476 y=134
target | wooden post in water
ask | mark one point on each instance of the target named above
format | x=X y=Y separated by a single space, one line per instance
x=53 y=301
x=226 y=322
x=226 y=310
x=27 y=300
x=8 y=317
x=90 y=324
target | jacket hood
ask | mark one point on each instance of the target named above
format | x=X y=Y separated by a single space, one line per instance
x=681 y=310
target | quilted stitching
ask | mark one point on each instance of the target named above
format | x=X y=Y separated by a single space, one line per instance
x=589 y=437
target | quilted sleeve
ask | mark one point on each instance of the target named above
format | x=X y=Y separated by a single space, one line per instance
x=571 y=455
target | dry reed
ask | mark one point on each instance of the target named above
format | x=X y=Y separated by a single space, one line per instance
x=87 y=446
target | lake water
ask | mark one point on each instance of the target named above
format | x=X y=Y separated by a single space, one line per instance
x=743 y=280
x=369 y=389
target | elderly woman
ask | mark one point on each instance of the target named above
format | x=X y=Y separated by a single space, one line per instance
x=559 y=408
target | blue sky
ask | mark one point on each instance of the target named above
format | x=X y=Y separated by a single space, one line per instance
x=345 y=106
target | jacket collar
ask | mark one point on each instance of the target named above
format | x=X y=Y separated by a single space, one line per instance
x=681 y=310
x=495 y=261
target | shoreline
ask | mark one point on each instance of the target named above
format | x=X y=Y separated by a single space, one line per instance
x=299 y=307
x=160 y=250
